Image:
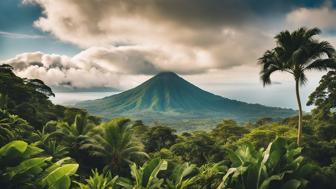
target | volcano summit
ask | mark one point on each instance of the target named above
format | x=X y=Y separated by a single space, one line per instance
x=167 y=95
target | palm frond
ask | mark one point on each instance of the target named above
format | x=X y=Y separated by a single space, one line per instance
x=315 y=50
x=322 y=64
x=303 y=79
x=265 y=75
x=283 y=39
x=312 y=32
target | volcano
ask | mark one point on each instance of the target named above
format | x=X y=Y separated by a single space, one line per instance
x=167 y=95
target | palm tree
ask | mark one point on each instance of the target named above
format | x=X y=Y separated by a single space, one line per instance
x=46 y=139
x=76 y=133
x=113 y=141
x=295 y=53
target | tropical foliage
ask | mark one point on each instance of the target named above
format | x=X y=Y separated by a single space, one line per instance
x=22 y=166
x=278 y=166
x=114 y=143
x=48 y=146
x=99 y=181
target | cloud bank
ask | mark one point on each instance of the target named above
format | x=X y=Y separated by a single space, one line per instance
x=322 y=17
x=216 y=33
x=124 y=39
x=105 y=66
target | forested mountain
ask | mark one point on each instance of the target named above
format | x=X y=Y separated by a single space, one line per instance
x=168 y=95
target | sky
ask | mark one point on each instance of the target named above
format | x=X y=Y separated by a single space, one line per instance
x=214 y=44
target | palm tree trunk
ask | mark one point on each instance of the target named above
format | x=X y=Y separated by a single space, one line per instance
x=299 y=133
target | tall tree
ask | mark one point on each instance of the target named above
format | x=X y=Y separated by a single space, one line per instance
x=295 y=53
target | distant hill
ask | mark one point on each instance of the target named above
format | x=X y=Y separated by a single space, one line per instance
x=167 y=96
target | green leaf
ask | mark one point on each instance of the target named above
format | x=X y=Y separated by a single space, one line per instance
x=291 y=184
x=62 y=183
x=31 y=151
x=57 y=174
x=265 y=184
x=235 y=159
x=124 y=182
x=57 y=164
x=226 y=178
x=13 y=148
x=28 y=165
x=151 y=169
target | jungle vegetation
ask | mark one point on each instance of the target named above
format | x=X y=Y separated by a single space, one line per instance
x=43 y=145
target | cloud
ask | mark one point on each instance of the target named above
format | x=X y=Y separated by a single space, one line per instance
x=56 y=70
x=101 y=16
x=109 y=65
x=122 y=68
x=20 y=35
x=322 y=17
x=105 y=66
x=122 y=39
x=198 y=34
x=148 y=60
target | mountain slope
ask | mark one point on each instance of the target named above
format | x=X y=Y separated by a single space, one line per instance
x=167 y=94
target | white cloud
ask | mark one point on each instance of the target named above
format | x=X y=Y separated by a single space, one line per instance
x=20 y=35
x=106 y=66
x=322 y=17
x=112 y=66
x=58 y=70
x=181 y=42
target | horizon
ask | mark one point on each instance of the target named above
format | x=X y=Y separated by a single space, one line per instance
x=215 y=45
x=72 y=97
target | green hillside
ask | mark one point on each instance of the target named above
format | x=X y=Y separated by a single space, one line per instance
x=168 y=95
